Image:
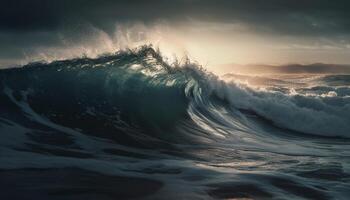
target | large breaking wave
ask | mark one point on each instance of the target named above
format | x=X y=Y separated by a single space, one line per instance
x=121 y=103
x=139 y=88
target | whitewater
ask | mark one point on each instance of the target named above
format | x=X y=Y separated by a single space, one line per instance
x=130 y=125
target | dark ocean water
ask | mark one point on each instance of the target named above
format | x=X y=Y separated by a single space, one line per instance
x=129 y=125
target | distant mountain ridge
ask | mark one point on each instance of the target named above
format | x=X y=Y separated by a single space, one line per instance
x=315 y=68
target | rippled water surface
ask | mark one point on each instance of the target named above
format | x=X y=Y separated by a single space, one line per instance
x=129 y=125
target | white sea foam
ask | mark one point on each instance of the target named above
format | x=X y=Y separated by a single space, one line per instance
x=326 y=114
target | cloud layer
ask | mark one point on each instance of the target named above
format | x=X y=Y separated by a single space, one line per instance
x=27 y=24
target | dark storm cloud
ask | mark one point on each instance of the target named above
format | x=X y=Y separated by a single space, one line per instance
x=26 y=24
x=21 y=15
x=280 y=16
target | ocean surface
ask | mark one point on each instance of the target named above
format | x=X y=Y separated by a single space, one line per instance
x=129 y=125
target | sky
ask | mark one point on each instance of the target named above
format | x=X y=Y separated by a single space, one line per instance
x=211 y=32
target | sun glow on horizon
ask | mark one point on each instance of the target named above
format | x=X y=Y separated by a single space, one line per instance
x=212 y=45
